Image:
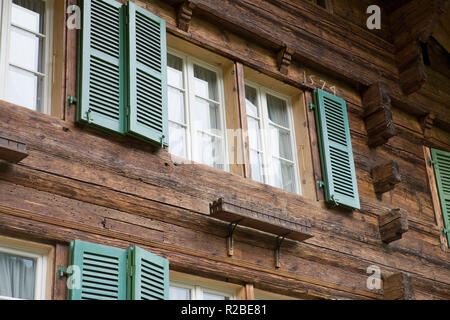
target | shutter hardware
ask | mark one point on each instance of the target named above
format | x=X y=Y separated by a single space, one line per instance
x=311 y=106
x=62 y=272
x=445 y=230
x=231 y=228
x=88 y=115
x=71 y=100
x=431 y=162
x=320 y=184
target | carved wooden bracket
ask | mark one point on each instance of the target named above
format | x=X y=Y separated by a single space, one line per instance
x=393 y=224
x=377 y=114
x=284 y=58
x=11 y=150
x=385 y=176
x=426 y=123
x=184 y=15
x=398 y=287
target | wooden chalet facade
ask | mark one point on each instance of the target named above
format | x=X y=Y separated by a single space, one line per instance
x=345 y=194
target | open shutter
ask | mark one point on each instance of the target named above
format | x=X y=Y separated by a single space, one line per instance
x=148 y=275
x=336 y=154
x=101 y=86
x=441 y=164
x=147 y=116
x=102 y=270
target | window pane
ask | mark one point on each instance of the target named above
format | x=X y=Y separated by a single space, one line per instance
x=280 y=143
x=26 y=50
x=283 y=175
x=254 y=134
x=178 y=293
x=212 y=296
x=176 y=105
x=251 y=101
x=277 y=110
x=29 y=14
x=24 y=88
x=17 y=276
x=175 y=71
x=205 y=83
x=206 y=116
x=208 y=150
x=256 y=166
x=177 y=140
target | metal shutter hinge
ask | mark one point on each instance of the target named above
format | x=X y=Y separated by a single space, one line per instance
x=311 y=106
x=62 y=272
x=71 y=100
x=445 y=230
x=320 y=184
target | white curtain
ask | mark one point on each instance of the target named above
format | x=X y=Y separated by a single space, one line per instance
x=17 y=276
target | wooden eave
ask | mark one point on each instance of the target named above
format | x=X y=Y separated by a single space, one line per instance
x=279 y=224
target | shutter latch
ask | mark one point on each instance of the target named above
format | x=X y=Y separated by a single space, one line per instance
x=320 y=184
x=71 y=100
x=431 y=162
x=88 y=115
x=62 y=272
x=311 y=106
x=162 y=141
x=445 y=230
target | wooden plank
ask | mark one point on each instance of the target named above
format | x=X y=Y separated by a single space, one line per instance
x=240 y=81
x=282 y=225
x=61 y=259
x=246 y=292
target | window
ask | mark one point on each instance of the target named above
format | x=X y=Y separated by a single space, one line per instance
x=196 y=110
x=25 y=53
x=271 y=138
x=186 y=287
x=23 y=270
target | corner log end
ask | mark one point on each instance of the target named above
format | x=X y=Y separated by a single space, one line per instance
x=385 y=176
x=184 y=15
x=392 y=225
x=398 y=287
x=377 y=114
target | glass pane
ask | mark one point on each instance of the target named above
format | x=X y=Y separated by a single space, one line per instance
x=178 y=293
x=17 y=276
x=24 y=88
x=29 y=14
x=257 y=166
x=177 y=140
x=176 y=105
x=212 y=296
x=26 y=50
x=280 y=143
x=283 y=175
x=175 y=71
x=205 y=83
x=277 y=110
x=251 y=101
x=206 y=116
x=208 y=150
x=254 y=134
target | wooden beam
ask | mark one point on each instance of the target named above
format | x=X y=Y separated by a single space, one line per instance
x=398 y=287
x=184 y=15
x=377 y=114
x=385 y=176
x=392 y=225
x=61 y=259
x=246 y=292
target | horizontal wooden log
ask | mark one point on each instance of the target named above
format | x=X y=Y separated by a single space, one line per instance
x=385 y=176
x=393 y=224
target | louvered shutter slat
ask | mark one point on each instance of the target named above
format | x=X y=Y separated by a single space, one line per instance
x=149 y=275
x=336 y=150
x=441 y=160
x=102 y=271
x=147 y=76
x=101 y=79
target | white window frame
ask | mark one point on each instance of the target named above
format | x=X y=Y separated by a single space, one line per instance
x=5 y=28
x=189 y=101
x=261 y=93
x=41 y=258
x=198 y=286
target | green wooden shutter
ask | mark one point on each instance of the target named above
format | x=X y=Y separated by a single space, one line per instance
x=103 y=271
x=336 y=154
x=148 y=275
x=441 y=163
x=102 y=85
x=147 y=116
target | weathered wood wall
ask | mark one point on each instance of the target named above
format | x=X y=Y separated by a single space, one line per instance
x=79 y=183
